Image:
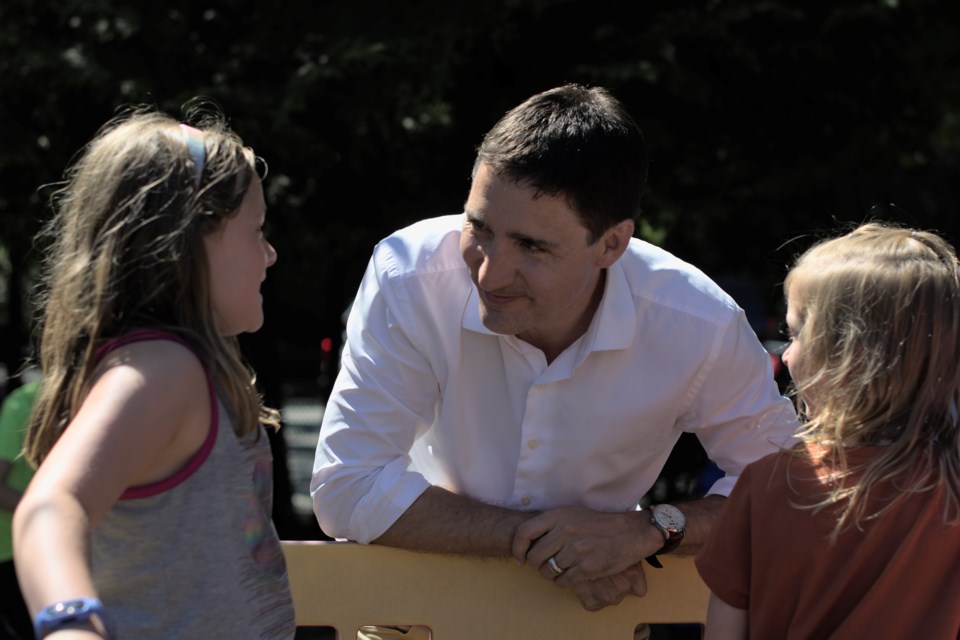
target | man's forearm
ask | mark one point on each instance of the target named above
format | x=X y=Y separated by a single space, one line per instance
x=700 y=515
x=443 y=522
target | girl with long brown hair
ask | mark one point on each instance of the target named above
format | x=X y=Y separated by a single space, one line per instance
x=149 y=514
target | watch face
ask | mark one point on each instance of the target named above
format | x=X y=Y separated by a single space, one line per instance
x=669 y=517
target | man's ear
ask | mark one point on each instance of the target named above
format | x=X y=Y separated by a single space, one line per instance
x=614 y=242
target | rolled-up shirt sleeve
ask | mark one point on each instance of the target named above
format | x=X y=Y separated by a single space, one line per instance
x=384 y=397
x=735 y=406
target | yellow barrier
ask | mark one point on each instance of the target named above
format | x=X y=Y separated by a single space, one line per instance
x=346 y=585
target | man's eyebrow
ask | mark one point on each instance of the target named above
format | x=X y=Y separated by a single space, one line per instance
x=479 y=222
x=523 y=238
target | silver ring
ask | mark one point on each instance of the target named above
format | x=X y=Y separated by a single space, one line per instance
x=552 y=563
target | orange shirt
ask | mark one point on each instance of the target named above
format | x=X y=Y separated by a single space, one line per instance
x=898 y=577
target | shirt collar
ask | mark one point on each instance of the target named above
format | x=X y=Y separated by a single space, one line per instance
x=613 y=327
x=615 y=322
x=471 y=314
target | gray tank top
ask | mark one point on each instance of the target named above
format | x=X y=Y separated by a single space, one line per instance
x=196 y=555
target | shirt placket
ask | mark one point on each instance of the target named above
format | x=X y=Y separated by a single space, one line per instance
x=529 y=489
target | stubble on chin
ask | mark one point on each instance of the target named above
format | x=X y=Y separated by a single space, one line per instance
x=495 y=321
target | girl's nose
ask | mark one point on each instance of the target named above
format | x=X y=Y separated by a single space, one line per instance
x=271 y=254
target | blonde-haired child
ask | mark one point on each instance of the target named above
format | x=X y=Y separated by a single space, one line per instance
x=149 y=514
x=855 y=533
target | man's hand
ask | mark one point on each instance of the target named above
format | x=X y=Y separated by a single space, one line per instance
x=588 y=545
x=597 y=594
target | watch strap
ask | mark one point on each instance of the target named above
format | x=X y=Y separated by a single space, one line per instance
x=674 y=538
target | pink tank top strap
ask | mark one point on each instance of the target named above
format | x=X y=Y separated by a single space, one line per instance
x=140 y=335
x=194 y=463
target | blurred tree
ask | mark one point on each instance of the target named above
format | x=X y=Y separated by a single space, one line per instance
x=767 y=120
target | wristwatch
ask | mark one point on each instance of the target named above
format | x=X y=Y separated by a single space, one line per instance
x=672 y=524
x=70 y=613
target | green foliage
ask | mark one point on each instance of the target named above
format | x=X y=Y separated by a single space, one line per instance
x=767 y=120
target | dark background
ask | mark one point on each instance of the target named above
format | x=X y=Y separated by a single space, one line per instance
x=768 y=123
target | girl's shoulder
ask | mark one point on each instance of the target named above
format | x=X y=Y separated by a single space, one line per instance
x=160 y=364
x=151 y=349
x=772 y=471
x=142 y=335
x=151 y=398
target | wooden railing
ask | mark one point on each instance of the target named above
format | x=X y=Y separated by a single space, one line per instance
x=345 y=586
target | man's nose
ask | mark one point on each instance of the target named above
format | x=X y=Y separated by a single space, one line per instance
x=496 y=268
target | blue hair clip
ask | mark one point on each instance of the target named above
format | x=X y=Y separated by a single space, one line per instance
x=198 y=151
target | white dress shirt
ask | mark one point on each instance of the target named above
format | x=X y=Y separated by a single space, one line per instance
x=426 y=395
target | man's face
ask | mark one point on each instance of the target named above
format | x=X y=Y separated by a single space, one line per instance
x=529 y=257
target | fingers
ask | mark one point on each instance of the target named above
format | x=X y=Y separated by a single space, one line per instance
x=554 y=568
x=585 y=544
x=549 y=546
x=570 y=574
x=585 y=551
x=602 y=592
x=530 y=531
x=553 y=533
x=597 y=594
x=581 y=559
x=637 y=579
x=576 y=567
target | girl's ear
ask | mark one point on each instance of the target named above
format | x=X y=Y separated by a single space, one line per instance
x=614 y=242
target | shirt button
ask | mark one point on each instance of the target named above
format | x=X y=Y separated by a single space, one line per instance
x=533 y=444
x=525 y=501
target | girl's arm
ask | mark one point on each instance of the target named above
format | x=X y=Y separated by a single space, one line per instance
x=725 y=622
x=145 y=415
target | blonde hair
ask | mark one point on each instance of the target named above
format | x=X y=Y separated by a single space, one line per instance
x=879 y=337
x=126 y=252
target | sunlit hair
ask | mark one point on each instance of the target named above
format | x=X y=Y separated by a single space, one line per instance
x=577 y=142
x=879 y=336
x=124 y=251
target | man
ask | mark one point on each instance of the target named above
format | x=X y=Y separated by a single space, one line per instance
x=515 y=377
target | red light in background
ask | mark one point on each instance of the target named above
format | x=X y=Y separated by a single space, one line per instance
x=326 y=345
